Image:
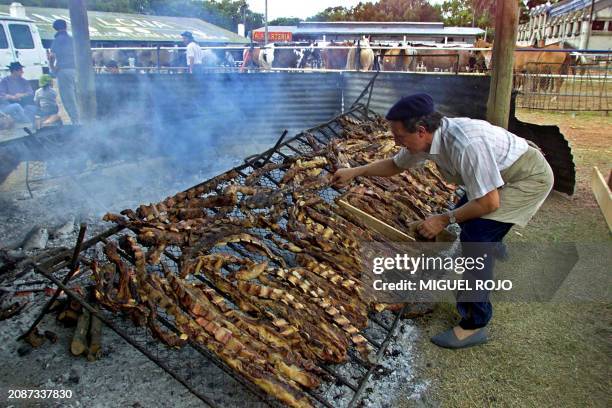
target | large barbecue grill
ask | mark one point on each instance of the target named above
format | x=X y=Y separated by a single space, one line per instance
x=350 y=378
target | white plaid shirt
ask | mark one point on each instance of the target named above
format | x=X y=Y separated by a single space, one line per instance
x=472 y=151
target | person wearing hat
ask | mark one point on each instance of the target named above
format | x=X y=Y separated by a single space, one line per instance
x=14 y=88
x=193 y=53
x=112 y=67
x=62 y=64
x=45 y=99
x=505 y=178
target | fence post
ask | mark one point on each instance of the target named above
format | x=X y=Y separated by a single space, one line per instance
x=86 y=89
x=506 y=25
x=358 y=56
x=158 y=51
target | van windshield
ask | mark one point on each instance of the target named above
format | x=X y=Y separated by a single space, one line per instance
x=3 y=40
x=22 y=38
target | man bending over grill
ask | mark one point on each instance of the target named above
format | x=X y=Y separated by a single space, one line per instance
x=505 y=178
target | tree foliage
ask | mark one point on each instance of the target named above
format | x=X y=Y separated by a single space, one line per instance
x=383 y=10
x=466 y=13
x=285 y=21
x=332 y=14
x=396 y=10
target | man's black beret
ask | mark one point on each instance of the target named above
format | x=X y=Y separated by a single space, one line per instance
x=412 y=106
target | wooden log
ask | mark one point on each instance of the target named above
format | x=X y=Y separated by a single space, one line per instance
x=95 y=339
x=506 y=28
x=602 y=195
x=79 y=340
x=68 y=317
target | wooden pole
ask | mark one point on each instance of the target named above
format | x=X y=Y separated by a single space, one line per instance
x=506 y=29
x=266 y=26
x=86 y=90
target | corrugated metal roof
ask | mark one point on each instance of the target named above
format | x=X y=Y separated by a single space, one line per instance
x=399 y=28
x=445 y=31
x=568 y=6
x=564 y=7
x=133 y=27
x=379 y=24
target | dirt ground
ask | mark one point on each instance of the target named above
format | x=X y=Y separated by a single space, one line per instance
x=541 y=354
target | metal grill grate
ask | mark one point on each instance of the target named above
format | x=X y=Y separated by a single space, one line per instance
x=351 y=377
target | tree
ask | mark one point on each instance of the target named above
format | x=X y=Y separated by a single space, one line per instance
x=396 y=10
x=285 y=21
x=465 y=13
x=332 y=14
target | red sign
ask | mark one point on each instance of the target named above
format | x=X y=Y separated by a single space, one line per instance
x=276 y=36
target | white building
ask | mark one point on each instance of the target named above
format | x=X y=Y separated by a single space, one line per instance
x=568 y=21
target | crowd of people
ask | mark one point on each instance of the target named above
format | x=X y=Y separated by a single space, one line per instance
x=20 y=104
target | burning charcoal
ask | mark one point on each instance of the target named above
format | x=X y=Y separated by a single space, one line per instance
x=74 y=376
x=12 y=310
x=65 y=229
x=13 y=255
x=35 y=339
x=24 y=350
x=36 y=239
x=52 y=337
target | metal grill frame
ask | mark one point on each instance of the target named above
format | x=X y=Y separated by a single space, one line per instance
x=51 y=269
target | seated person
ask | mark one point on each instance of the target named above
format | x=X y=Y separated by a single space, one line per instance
x=6 y=121
x=45 y=100
x=112 y=67
x=14 y=111
x=16 y=89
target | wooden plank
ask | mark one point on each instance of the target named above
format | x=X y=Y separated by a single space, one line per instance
x=602 y=195
x=377 y=225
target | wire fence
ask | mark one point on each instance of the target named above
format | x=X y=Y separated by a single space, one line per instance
x=545 y=79
x=576 y=87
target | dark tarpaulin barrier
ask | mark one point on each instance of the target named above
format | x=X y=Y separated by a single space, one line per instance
x=554 y=145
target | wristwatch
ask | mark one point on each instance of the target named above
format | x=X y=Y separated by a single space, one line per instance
x=451 y=217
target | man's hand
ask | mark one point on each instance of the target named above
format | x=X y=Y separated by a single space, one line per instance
x=343 y=176
x=432 y=226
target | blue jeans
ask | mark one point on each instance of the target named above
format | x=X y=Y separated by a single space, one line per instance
x=66 y=83
x=17 y=112
x=477 y=314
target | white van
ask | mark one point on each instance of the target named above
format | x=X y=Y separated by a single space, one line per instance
x=20 y=41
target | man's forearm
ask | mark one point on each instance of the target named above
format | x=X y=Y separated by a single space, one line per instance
x=381 y=168
x=477 y=208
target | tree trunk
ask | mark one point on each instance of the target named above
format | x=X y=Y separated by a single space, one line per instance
x=506 y=28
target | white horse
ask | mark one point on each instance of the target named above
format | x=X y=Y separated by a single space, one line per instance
x=366 y=56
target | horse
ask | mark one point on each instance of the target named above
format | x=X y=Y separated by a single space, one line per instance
x=443 y=59
x=399 y=59
x=366 y=56
x=538 y=63
x=335 y=58
x=262 y=57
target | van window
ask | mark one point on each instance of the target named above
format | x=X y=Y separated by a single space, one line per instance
x=22 y=38
x=3 y=40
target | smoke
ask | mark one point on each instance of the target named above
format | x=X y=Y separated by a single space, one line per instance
x=159 y=134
